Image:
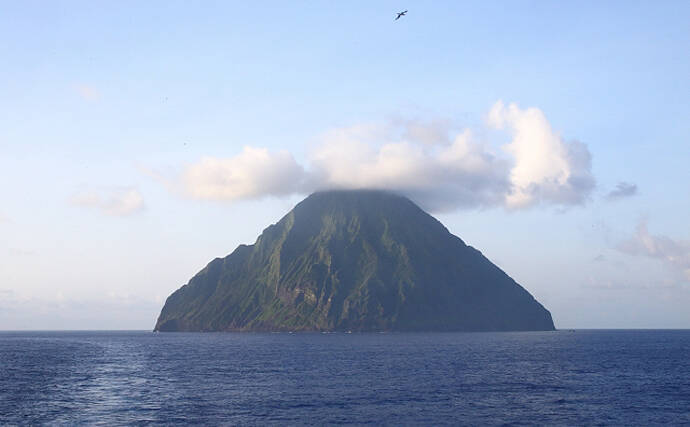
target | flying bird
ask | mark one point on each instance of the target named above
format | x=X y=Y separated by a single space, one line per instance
x=400 y=14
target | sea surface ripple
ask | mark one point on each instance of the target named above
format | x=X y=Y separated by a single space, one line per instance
x=113 y=378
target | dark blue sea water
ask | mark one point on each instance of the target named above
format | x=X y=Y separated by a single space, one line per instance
x=582 y=377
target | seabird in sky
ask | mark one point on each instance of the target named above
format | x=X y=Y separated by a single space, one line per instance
x=400 y=14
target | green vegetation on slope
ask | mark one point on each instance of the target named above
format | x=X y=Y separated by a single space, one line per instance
x=353 y=260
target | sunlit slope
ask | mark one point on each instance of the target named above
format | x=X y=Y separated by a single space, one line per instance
x=353 y=260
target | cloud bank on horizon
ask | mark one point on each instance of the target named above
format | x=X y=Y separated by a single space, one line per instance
x=420 y=160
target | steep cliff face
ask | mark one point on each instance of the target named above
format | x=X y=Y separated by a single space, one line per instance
x=353 y=260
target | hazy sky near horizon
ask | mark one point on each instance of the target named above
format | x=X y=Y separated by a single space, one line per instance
x=141 y=140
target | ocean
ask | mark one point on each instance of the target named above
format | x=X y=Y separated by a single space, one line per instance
x=619 y=377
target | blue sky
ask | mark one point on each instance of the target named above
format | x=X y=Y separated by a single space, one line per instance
x=118 y=121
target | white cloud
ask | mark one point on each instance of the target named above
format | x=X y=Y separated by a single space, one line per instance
x=117 y=203
x=675 y=253
x=460 y=173
x=431 y=133
x=424 y=160
x=545 y=168
x=623 y=189
x=87 y=92
x=253 y=173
